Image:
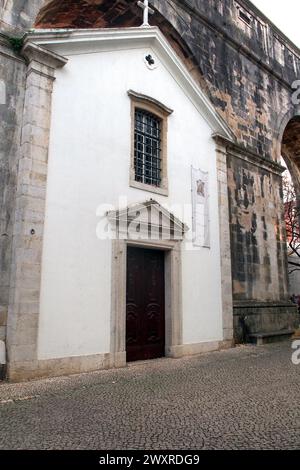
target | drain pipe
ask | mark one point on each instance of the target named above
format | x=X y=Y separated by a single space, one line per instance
x=2 y=360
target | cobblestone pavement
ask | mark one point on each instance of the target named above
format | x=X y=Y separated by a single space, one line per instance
x=245 y=398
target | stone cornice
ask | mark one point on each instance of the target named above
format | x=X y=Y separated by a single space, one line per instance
x=238 y=151
x=34 y=52
x=253 y=304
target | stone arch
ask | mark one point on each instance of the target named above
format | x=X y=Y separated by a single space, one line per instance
x=290 y=148
x=290 y=152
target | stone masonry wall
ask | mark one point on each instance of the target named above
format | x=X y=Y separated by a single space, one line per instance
x=249 y=69
x=257 y=233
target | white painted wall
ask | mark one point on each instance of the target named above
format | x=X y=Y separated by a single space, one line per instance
x=89 y=161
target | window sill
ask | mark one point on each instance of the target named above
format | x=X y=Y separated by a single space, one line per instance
x=149 y=188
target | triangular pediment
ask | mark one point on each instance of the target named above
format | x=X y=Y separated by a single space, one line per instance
x=148 y=219
x=86 y=41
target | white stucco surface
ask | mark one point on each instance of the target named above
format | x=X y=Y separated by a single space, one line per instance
x=89 y=162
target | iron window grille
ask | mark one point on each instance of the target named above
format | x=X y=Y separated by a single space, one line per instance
x=147 y=148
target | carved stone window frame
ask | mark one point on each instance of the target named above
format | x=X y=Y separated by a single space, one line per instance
x=162 y=112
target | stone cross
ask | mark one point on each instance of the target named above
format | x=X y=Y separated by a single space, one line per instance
x=147 y=10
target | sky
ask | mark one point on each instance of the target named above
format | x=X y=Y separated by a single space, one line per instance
x=285 y=14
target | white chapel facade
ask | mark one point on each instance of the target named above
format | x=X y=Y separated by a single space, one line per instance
x=124 y=137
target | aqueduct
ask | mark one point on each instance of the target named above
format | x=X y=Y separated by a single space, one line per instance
x=247 y=67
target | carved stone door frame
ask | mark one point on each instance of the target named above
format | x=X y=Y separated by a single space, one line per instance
x=173 y=293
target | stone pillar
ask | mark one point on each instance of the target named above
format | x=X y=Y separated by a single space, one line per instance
x=118 y=303
x=174 y=323
x=23 y=313
x=225 y=245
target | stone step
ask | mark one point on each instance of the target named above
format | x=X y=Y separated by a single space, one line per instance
x=270 y=337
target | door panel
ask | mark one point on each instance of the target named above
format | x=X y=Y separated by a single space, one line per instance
x=145 y=314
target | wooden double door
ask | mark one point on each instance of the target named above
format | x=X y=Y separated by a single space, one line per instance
x=145 y=304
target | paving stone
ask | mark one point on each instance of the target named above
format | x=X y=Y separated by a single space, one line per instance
x=245 y=398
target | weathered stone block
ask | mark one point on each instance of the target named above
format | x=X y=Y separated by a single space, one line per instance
x=25 y=335
x=35 y=153
x=37 y=97
x=2 y=333
x=264 y=319
x=35 y=135
x=22 y=353
x=3 y=315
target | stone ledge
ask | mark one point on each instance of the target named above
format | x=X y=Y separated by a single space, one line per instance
x=257 y=304
x=252 y=308
x=270 y=337
x=185 y=350
x=23 y=371
x=33 y=370
x=268 y=318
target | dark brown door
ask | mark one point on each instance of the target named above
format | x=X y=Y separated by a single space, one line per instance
x=145 y=305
